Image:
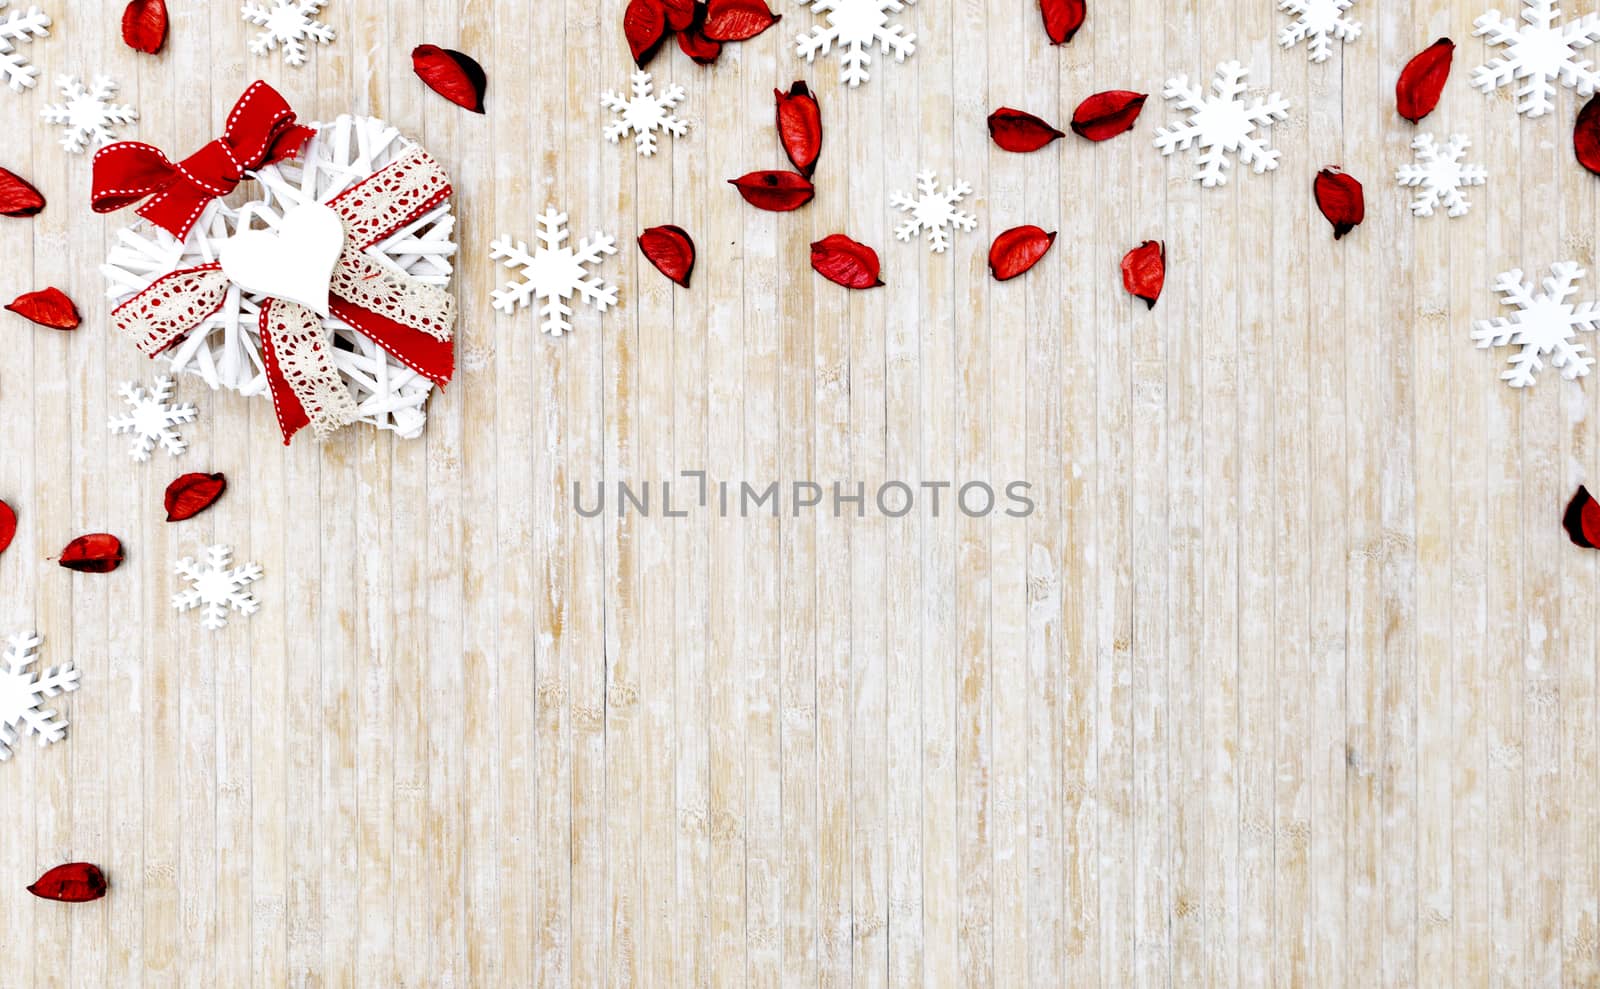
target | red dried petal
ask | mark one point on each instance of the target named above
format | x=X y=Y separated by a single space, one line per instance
x=455 y=76
x=1586 y=136
x=47 y=307
x=1062 y=18
x=679 y=13
x=18 y=197
x=1422 y=80
x=1015 y=130
x=692 y=41
x=144 y=25
x=645 y=24
x=671 y=250
x=1144 y=271
x=192 y=494
x=75 y=882
x=1341 y=200
x=97 y=552
x=738 y=20
x=774 y=190
x=800 y=126
x=1582 y=520
x=1105 y=115
x=845 y=262
x=8 y=526
x=1018 y=249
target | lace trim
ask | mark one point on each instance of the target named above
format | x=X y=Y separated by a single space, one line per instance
x=395 y=196
x=170 y=308
x=363 y=282
x=304 y=350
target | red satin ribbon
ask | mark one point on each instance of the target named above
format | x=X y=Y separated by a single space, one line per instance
x=261 y=130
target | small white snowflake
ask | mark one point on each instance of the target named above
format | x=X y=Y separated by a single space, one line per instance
x=1544 y=323
x=855 y=26
x=645 y=113
x=22 y=690
x=291 y=23
x=19 y=26
x=151 y=418
x=1439 y=175
x=1320 y=22
x=87 y=115
x=1539 y=53
x=215 y=586
x=1221 y=124
x=553 y=272
x=933 y=211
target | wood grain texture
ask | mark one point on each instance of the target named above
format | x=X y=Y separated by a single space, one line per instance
x=1289 y=679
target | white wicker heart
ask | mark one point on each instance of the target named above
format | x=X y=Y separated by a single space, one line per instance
x=225 y=350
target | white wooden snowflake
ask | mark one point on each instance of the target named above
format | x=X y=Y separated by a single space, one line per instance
x=15 y=28
x=1539 y=53
x=933 y=211
x=290 y=23
x=644 y=113
x=1320 y=22
x=1439 y=175
x=554 y=272
x=86 y=116
x=1544 y=323
x=22 y=690
x=1222 y=124
x=151 y=418
x=216 y=586
x=855 y=26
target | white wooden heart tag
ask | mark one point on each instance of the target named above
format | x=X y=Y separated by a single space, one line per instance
x=294 y=262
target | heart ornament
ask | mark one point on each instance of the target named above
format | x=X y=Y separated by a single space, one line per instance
x=293 y=262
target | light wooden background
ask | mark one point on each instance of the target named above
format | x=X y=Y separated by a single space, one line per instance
x=1291 y=680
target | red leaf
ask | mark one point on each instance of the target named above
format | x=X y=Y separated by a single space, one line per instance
x=1017 y=250
x=95 y=553
x=845 y=262
x=1144 y=271
x=1341 y=200
x=47 y=307
x=192 y=494
x=775 y=191
x=451 y=74
x=1586 y=136
x=8 y=526
x=671 y=250
x=645 y=24
x=738 y=20
x=680 y=13
x=1062 y=18
x=18 y=197
x=1014 y=130
x=693 y=41
x=1105 y=115
x=144 y=25
x=800 y=126
x=1422 y=80
x=1582 y=520
x=75 y=882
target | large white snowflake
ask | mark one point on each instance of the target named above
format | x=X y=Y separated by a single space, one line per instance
x=1439 y=175
x=19 y=26
x=1544 y=323
x=1222 y=123
x=290 y=23
x=150 y=419
x=215 y=586
x=1320 y=22
x=855 y=26
x=644 y=113
x=86 y=115
x=553 y=272
x=933 y=211
x=1538 y=52
x=22 y=690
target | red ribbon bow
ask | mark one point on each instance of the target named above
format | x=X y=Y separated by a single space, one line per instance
x=261 y=130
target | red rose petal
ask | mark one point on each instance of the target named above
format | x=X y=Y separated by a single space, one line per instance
x=738 y=20
x=774 y=190
x=98 y=552
x=1417 y=91
x=18 y=197
x=845 y=262
x=192 y=494
x=1586 y=136
x=47 y=307
x=1582 y=520
x=1341 y=200
x=645 y=24
x=1144 y=271
x=1016 y=130
x=800 y=126
x=451 y=74
x=144 y=25
x=75 y=882
x=1062 y=18
x=671 y=250
x=8 y=526
x=1018 y=249
x=1105 y=115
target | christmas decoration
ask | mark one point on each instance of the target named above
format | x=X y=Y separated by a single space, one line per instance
x=1020 y=131
x=933 y=211
x=1320 y=23
x=854 y=26
x=16 y=28
x=8 y=526
x=87 y=116
x=1582 y=519
x=364 y=344
x=1586 y=136
x=75 y=882
x=144 y=25
x=18 y=197
x=1538 y=53
x=1017 y=250
x=47 y=307
x=192 y=494
x=1545 y=323
x=1105 y=115
x=554 y=272
x=1417 y=90
x=644 y=113
x=671 y=250
x=455 y=76
x=1144 y=271
x=151 y=418
x=1062 y=18
x=775 y=191
x=1222 y=124
x=1341 y=199
x=216 y=586
x=644 y=23
x=291 y=23
x=22 y=690
x=799 y=120
x=98 y=552
x=737 y=20
x=1439 y=176
x=846 y=262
